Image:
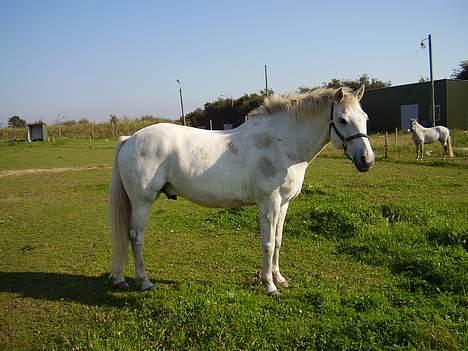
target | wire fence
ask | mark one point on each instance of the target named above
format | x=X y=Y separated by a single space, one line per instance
x=82 y=130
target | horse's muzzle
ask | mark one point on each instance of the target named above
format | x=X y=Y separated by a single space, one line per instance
x=364 y=162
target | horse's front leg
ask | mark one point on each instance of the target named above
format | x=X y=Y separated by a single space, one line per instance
x=277 y=277
x=269 y=210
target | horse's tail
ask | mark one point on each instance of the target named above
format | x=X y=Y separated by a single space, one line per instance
x=449 y=147
x=120 y=211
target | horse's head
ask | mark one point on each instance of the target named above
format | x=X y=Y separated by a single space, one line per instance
x=348 y=128
x=413 y=123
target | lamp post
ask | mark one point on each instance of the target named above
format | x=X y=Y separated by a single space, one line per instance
x=266 y=82
x=423 y=46
x=181 y=101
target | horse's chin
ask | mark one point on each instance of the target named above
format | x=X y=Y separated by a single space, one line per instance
x=362 y=167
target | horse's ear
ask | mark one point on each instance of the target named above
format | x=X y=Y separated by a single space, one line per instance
x=339 y=95
x=360 y=92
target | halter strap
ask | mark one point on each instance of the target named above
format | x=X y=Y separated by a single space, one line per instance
x=344 y=140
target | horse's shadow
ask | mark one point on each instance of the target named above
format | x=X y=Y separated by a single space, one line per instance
x=86 y=290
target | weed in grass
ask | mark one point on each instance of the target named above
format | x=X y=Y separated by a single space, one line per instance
x=403 y=213
x=448 y=234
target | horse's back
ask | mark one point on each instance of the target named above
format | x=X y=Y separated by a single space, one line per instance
x=203 y=166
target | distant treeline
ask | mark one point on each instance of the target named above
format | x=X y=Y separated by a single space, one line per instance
x=85 y=129
x=225 y=112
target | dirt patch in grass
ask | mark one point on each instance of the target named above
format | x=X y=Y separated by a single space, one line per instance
x=20 y=172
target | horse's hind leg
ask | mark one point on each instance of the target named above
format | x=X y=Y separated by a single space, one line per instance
x=445 y=155
x=137 y=234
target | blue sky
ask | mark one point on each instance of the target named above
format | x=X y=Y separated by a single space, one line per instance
x=86 y=58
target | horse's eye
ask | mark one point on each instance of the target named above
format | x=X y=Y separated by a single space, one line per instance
x=342 y=121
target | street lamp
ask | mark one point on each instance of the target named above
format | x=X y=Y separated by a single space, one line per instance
x=423 y=46
x=181 y=101
x=266 y=82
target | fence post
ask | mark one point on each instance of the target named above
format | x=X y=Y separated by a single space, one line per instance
x=386 y=145
x=396 y=136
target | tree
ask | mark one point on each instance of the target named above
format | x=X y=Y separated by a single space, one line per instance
x=113 y=121
x=16 y=122
x=70 y=122
x=83 y=120
x=370 y=83
x=462 y=71
x=196 y=117
x=225 y=111
x=263 y=92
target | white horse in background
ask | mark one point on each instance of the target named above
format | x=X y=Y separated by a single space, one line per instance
x=262 y=162
x=423 y=136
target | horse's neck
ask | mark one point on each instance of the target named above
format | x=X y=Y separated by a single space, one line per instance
x=304 y=137
x=420 y=127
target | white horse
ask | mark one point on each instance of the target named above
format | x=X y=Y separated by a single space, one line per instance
x=262 y=163
x=423 y=136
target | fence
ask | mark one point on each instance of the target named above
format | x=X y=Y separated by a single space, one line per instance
x=83 y=130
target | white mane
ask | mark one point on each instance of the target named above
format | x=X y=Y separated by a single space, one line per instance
x=299 y=104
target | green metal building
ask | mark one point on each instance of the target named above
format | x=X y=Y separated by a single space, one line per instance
x=393 y=107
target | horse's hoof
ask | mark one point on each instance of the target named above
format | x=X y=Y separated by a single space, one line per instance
x=146 y=286
x=121 y=286
x=283 y=284
x=274 y=293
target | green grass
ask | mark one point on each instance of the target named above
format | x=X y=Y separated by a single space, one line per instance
x=376 y=261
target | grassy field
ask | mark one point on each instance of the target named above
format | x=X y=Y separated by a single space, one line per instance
x=376 y=261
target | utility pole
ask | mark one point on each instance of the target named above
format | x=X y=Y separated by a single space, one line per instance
x=433 y=112
x=266 y=82
x=181 y=101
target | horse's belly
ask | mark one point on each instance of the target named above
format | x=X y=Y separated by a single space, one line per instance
x=213 y=194
x=214 y=200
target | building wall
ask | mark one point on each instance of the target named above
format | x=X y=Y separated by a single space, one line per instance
x=384 y=105
x=457 y=96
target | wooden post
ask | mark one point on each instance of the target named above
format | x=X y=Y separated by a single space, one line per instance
x=112 y=128
x=386 y=146
x=92 y=130
x=396 y=136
